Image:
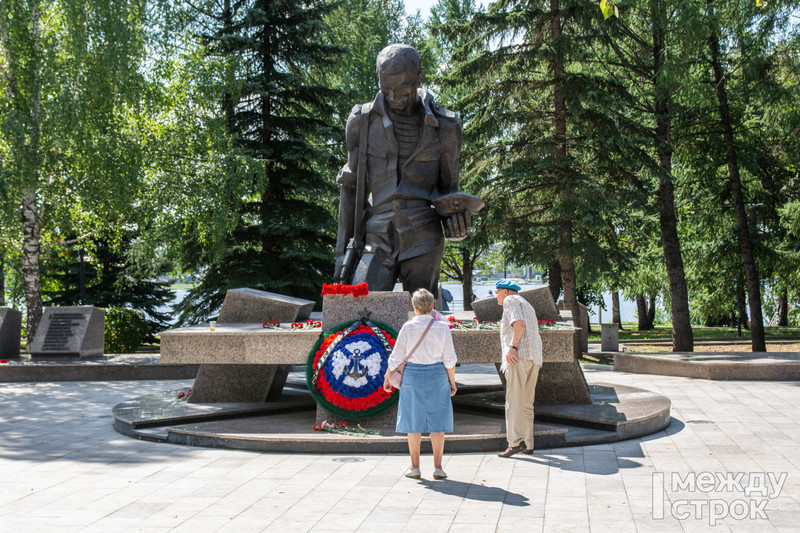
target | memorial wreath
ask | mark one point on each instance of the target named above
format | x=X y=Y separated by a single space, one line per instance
x=345 y=369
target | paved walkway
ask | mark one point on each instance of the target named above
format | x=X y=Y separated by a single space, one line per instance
x=731 y=444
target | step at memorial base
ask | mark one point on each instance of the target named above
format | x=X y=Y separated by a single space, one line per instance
x=616 y=413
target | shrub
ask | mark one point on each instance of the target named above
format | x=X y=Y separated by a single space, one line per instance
x=126 y=330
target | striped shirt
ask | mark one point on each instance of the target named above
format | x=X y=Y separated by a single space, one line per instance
x=515 y=308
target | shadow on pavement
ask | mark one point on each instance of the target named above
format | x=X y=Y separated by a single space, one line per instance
x=471 y=491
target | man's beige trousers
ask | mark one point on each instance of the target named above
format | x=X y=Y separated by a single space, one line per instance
x=520 y=391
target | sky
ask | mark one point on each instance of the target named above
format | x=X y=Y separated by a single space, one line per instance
x=424 y=6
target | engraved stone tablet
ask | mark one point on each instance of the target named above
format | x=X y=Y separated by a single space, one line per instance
x=252 y=305
x=77 y=331
x=10 y=332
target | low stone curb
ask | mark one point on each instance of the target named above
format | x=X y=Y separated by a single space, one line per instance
x=764 y=366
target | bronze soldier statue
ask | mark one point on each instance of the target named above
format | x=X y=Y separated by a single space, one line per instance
x=400 y=184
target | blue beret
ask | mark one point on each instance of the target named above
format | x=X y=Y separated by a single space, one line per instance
x=508 y=284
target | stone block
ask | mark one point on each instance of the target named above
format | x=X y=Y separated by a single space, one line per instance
x=542 y=302
x=233 y=383
x=10 y=332
x=252 y=305
x=237 y=344
x=76 y=331
x=609 y=337
x=390 y=308
x=583 y=323
x=562 y=382
x=487 y=310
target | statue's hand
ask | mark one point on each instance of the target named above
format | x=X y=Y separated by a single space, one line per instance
x=458 y=226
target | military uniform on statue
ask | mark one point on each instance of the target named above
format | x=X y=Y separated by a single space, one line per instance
x=400 y=183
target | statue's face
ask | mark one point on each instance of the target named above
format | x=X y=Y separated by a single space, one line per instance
x=400 y=91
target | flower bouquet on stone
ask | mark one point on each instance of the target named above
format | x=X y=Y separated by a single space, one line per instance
x=341 y=428
x=472 y=325
x=552 y=324
x=309 y=324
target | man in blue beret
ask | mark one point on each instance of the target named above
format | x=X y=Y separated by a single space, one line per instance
x=522 y=359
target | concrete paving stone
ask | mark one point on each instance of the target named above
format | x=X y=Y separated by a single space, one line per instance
x=748 y=526
x=46 y=443
x=458 y=527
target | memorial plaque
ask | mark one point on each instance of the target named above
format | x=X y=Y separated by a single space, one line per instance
x=70 y=332
x=10 y=332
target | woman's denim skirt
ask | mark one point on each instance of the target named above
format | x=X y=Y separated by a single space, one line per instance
x=425 y=405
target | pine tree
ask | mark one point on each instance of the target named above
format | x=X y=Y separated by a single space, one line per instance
x=548 y=139
x=282 y=236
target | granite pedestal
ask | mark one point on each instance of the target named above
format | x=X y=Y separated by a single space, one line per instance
x=249 y=382
x=74 y=331
x=390 y=308
x=10 y=332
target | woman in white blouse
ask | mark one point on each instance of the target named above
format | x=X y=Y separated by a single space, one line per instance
x=429 y=380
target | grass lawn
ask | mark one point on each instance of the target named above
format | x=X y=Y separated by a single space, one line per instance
x=630 y=332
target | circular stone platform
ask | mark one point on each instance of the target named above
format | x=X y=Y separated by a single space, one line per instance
x=775 y=366
x=616 y=413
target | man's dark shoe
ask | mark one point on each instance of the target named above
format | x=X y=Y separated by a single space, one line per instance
x=511 y=450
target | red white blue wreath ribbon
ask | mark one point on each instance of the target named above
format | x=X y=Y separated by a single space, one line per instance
x=345 y=369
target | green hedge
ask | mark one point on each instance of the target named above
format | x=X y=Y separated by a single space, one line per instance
x=126 y=330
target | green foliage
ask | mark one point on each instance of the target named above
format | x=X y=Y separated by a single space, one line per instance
x=513 y=154
x=242 y=184
x=126 y=330
x=108 y=282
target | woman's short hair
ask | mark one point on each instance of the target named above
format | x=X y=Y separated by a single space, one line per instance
x=422 y=300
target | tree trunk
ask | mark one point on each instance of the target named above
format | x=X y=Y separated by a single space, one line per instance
x=568 y=274
x=737 y=195
x=2 y=277
x=560 y=156
x=228 y=106
x=741 y=308
x=466 y=280
x=641 y=312
x=682 y=337
x=783 y=308
x=554 y=278
x=31 y=248
x=615 y=309
x=651 y=312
